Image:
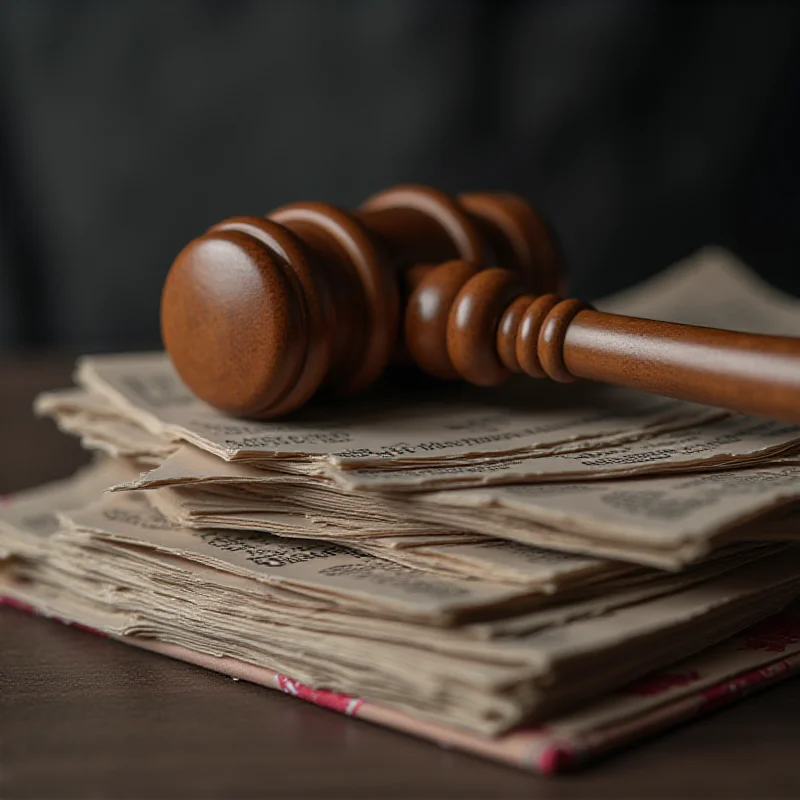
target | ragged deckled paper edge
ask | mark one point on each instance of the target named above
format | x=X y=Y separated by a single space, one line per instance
x=760 y=656
x=713 y=288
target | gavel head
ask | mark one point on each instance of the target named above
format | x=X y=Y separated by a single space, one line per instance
x=258 y=313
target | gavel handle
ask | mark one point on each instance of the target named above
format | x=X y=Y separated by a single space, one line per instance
x=744 y=372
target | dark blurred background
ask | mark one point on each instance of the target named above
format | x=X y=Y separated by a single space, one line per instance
x=642 y=129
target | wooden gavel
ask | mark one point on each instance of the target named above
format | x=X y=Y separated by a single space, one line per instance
x=258 y=313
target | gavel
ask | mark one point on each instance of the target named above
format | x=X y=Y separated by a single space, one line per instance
x=258 y=313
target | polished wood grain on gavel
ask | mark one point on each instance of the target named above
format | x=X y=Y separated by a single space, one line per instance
x=258 y=313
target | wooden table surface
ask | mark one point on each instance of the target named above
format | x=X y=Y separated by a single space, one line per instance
x=84 y=717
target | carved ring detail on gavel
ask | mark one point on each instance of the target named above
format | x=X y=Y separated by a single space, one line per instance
x=258 y=313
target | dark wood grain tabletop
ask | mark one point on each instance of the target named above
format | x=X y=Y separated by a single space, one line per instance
x=81 y=716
